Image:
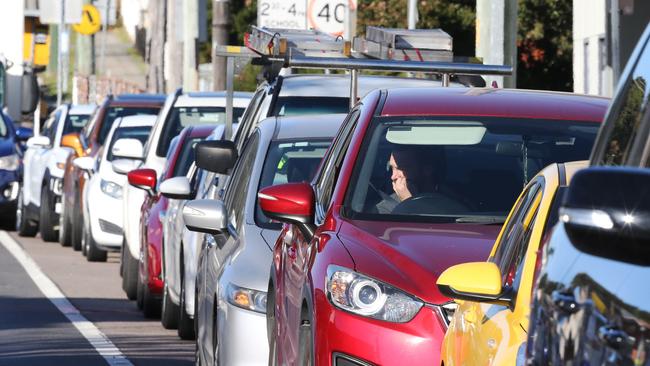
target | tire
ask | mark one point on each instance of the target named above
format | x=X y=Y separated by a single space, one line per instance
x=23 y=226
x=139 y=298
x=93 y=253
x=65 y=228
x=77 y=225
x=47 y=217
x=169 y=311
x=130 y=278
x=185 y=323
x=151 y=305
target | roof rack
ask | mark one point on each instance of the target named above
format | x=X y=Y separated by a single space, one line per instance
x=405 y=44
x=276 y=42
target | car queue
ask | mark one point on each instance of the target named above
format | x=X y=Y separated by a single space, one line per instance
x=424 y=225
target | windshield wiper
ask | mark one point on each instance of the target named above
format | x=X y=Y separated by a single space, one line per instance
x=483 y=220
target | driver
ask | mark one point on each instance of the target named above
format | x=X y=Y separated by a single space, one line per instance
x=413 y=173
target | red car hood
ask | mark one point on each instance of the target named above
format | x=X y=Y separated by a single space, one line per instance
x=411 y=256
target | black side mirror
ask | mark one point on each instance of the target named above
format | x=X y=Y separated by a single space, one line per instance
x=606 y=213
x=216 y=156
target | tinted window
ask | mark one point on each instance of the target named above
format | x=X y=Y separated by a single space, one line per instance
x=289 y=162
x=74 y=123
x=181 y=117
x=626 y=111
x=139 y=133
x=291 y=106
x=451 y=169
x=185 y=158
x=237 y=187
x=114 y=113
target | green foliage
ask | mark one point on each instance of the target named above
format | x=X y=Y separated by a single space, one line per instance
x=243 y=14
x=545 y=45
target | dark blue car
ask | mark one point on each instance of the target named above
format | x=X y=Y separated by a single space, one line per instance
x=11 y=165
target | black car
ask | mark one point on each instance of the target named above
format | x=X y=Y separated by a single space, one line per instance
x=591 y=305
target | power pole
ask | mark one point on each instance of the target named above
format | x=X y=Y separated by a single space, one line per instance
x=412 y=13
x=190 y=40
x=59 y=61
x=220 y=23
x=496 y=37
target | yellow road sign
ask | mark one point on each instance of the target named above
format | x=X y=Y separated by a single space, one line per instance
x=90 y=21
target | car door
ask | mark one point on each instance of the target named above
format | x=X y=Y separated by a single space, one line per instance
x=38 y=163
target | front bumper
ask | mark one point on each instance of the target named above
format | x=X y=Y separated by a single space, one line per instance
x=105 y=217
x=242 y=336
x=346 y=339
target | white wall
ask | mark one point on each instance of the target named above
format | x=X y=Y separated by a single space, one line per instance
x=590 y=73
x=133 y=14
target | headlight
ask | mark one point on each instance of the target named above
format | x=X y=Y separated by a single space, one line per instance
x=246 y=298
x=9 y=162
x=362 y=295
x=110 y=188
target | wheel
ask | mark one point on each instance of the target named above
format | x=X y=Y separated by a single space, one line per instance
x=47 y=217
x=84 y=244
x=139 y=297
x=305 y=342
x=270 y=327
x=130 y=278
x=77 y=225
x=185 y=323
x=93 y=253
x=65 y=229
x=23 y=226
x=151 y=305
x=169 y=311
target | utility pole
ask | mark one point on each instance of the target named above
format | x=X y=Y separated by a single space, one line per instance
x=190 y=39
x=59 y=60
x=220 y=23
x=104 y=35
x=412 y=14
x=496 y=37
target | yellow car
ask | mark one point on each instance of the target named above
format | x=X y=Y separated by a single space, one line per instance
x=489 y=327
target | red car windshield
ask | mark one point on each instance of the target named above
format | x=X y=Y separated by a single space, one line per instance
x=460 y=169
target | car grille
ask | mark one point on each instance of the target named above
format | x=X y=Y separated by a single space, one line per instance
x=110 y=228
x=345 y=360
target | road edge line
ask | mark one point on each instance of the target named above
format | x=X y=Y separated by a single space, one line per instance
x=97 y=339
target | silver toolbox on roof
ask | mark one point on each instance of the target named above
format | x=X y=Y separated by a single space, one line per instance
x=276 y=42
x=405 y=44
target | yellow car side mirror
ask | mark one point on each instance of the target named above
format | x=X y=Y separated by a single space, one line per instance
x=475 y=281
x=73 y=141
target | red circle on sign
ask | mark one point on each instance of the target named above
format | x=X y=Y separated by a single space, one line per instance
x=311 y=20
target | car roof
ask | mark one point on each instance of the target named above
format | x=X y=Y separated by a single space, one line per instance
x=515 y=103
x=307 y=126
x=138 y=120
x=140 y=97
x=82 y=108
x=212 y=99
x=339 y=85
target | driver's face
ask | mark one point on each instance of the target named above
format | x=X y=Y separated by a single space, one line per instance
x=397 y=173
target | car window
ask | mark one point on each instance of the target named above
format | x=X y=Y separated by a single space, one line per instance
x=291 y=106
x=289 y=161
x=74 y=123
x=3 y=126
x=247 y=117
x=237 y=187
x=140 y=133
x=181 y=117
x=331 y=163
x=52 y=126
x=113 y=113
x=511 y=249
x=627 y=109
x=186 y=157
x=456 y=169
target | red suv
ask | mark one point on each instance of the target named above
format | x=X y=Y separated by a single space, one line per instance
x=417 y=180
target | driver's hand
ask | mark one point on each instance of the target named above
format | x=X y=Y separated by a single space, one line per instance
x=401 y=189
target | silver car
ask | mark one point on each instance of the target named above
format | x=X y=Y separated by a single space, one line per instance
x=233 y=274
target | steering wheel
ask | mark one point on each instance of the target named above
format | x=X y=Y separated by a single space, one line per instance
x=431 y=203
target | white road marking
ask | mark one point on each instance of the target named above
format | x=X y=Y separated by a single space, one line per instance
x=95 y=337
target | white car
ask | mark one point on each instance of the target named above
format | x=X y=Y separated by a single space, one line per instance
x=179 y=111
x=40 y=192
x=102 y=227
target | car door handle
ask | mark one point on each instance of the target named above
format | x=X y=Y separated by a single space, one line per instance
x=612 y=336
x=565 y=301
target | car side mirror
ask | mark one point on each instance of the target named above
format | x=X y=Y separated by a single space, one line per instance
x=38 y=141
x=84 y=163
x=24 y=133
x=143 y=178
x=205 y=216
x=606 y=213
x=73 y=141
x=177 y=188
x=475 y=281
x=124 y=166
x=218 y=156
x=291 y=203
x=128 y=149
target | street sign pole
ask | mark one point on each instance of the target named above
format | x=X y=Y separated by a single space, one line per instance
x=59 y=62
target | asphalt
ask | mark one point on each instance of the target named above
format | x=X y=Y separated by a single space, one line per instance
x=34 y=332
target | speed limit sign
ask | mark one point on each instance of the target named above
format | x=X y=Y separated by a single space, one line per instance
x=329 y=15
